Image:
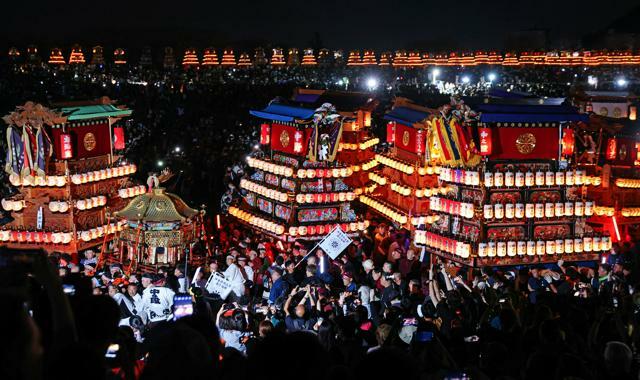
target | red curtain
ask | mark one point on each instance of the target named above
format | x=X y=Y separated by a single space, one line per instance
x=507 y=143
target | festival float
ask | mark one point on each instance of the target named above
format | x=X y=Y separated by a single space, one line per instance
x=228 y=58
x=56 y=57
x=77 y=56
x=210 y=57
x=385 y=59
x=308 y=58
x=324 y=57
x=259 y=57
x=160 y=228
x=314 y=162
x=354 y=58
x=277 y=58
x=119 y=57
x=524 y=202
x=190 y=59
x=293 y=59
x=65 y=167
x=244 y=60
x=97 y=56
x=369 y=58
x=169 y=60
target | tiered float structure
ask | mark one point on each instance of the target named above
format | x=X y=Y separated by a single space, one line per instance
x=369 y=58
x=277 y=58
x=300 y=188
x=77 y=56
x=259 y=57
x=190 y=59
x=228 y=58
x=309 y=59
x=119 y=56
x=244 y=60
x=293 y=58
x=56 y=57
x=97 y=56
x=65 y=165
x=324 y=57
x=385 y=59
x=354 y=58
x=169 y=60
x=210 y=57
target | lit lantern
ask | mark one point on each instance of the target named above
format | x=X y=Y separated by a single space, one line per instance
x=540 y=247
x=530 y=210
x=577 y=245
x=509 y=179
x=519 y=210
x=297 y=142
x=559 y=178
x=486 y=145
x=588 y=208
x=539 y=210
x=633 y=113
x=509 y=210
x=519 y=179
x=549 y=209
x=521 y=248
x=529 y=179
x=491 y=249
x=488 y=179
x=579 y=177
x=568 y=209
x=559 y=246
x=265 y=131
x=568 y=142
x=587 y=244
x=498 y=210
x=482 y=249
x=531 y=248
x=606 y=243
x=596 y=244
x=579 y=209
x=66 y=146
x=550 y=247
x=559 y=209
x=539 y=178
x=511 y=248
x=498 y=179
x=569 y=178
x=549 y=178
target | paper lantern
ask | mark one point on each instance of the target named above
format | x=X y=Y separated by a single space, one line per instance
x=509 y=210
x=550 y=247
x=54 y=206
x=568 y=142
x=511 y=248
x=51 y=181
x=60 y=181
x=491 y=249
x=529 y=179
x=569 y=178
x=488 y=179
x=612 y=149
x=63 y=206
x=588 y=208
x=577 y=245
x=540 y=247
x=519 y=210
x=56 y=238
x=539 y=179
x=521 y=248
x=549 y=210
x=509 y=179
x=76 y=179
x=498 y=179
x=81 y=204
x=539 y=210
x=66 y=238
x=519 y=181
x=482 y=249
x=578 y=209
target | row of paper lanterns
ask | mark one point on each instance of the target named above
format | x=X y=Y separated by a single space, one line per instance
x=362 y=146
x=445 y=244
x=604 y=211
x=395 y=164
x=325 y=173
x=59 y=206
x=385 y=210
x=538 y=210
x=542 y=247
x=257 y=221
x=630 y=211
x=11 y=205
x=263 y=190
x=463 y=209
x=49 y=180
x=99 y=175
x=270 y=167
x=519 y=179
x=425 y=219
x=628 y=183
x=325 y=197
x=322 y=229
x=100 y=231
x=367 y=165
x=36 y=237
x=89 y=203
x=130 y=192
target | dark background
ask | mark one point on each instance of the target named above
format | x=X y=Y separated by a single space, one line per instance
x=377 y=24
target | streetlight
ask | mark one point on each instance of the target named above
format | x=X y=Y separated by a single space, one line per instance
x=466 y=79
x=434 y=74
x=176 y=149
x=621 y=82
x=160 y=163
x=372 y=84
x=492 y=77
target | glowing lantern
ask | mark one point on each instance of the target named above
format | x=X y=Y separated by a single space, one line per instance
x=265 y=130
x=486 y=145
x=611 y=149
x=568 y=142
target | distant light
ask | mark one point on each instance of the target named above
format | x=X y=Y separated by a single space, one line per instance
x=492 y=77
x=176 y=149
x=372 y=83
x=340 y=82
x=466 y=79
x=256 y=147
x=435 y=72
x=592 y=80
x=160 y=163
x=621 y=82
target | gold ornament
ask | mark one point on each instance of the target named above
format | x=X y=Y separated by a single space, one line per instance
x=89 y=142
x=405 y=138
x=525 y=143
x=284 y=139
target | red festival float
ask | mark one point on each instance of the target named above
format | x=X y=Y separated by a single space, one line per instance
x=65 y=166
x=315 y=163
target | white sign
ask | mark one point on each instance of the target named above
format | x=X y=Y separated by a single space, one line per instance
x=39 y=219
x=219 y=285
x=335 y=242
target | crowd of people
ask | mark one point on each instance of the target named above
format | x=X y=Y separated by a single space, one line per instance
x=381 y=309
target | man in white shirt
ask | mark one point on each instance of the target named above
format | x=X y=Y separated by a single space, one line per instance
x=130 y=304
x=157 y=302
x=235 y=277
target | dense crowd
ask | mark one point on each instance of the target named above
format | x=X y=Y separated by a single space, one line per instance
x=379 y=310
x=197 y=121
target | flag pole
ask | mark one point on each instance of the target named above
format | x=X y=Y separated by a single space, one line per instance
x=313 y=249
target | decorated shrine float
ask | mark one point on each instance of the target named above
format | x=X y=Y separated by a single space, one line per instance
x=610 y=154
x=523 y=202
x=160 y=227
x=408 y=175
x=65 y=166
x=315 y=158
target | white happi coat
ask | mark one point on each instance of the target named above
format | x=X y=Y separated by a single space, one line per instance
x=157 y=303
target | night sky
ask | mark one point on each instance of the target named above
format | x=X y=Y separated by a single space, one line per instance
x=377 y=24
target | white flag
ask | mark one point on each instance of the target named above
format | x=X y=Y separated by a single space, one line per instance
x=335 y=242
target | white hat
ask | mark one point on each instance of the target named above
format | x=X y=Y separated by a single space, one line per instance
x=368 y=264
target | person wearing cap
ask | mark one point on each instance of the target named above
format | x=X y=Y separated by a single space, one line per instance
x=130 y=303
x=246 y=271
x=279 y=287
x=233 y=274
x=347 y=281
x=147 y=279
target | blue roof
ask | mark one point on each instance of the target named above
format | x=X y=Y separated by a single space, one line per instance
x=281 y=112
x=507 y=113
x=405 y=115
